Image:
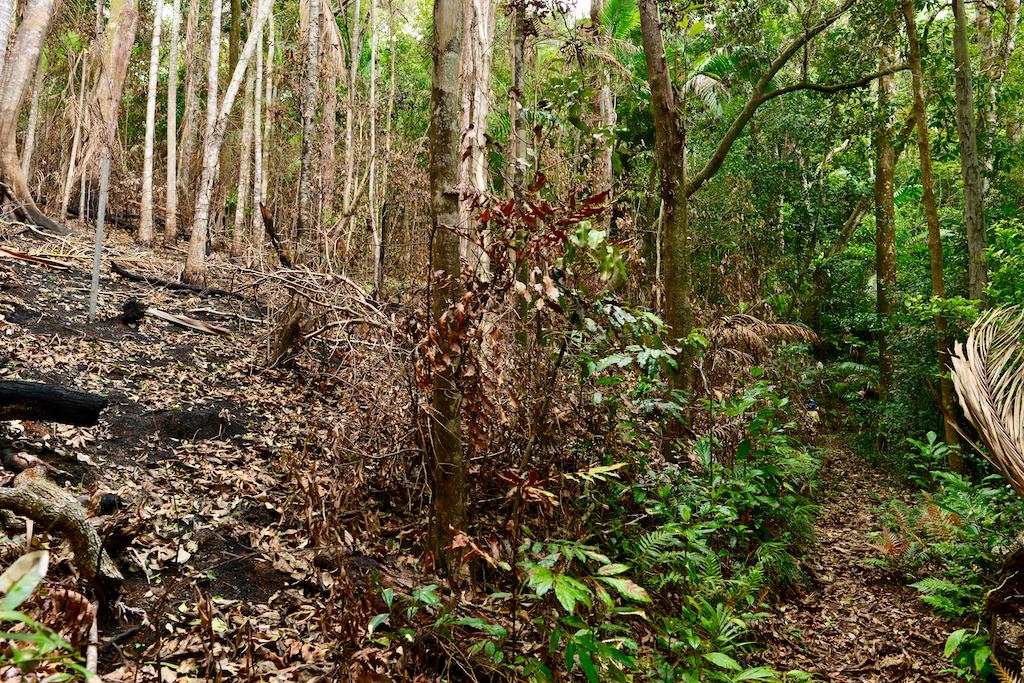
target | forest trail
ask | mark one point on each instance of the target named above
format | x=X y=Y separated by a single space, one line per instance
x=854 y=622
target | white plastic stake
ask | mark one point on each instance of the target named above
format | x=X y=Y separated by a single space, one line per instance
x=100 y=214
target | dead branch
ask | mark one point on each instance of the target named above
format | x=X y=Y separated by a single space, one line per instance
x=49 y=403
x=168 y=284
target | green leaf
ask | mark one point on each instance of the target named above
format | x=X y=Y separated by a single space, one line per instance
x=756 y=674
x=626 y=587
x=540 y=579
x=569 y=591
x=20 y=579
x=587 y=664
x=953 y=642
x=375 y=622
x=612 y=569
x=723 y=660
x=481 y=625
x=981 y=656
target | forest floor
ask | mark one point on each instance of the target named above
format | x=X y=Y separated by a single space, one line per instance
x=855 y=622
x=204 y=446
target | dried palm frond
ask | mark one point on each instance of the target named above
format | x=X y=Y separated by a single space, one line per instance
x=988 y=373
x=752 y=335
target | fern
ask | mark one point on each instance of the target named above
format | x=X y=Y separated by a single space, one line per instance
x=648 y=549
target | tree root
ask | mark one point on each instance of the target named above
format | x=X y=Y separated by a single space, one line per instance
x=55 y=510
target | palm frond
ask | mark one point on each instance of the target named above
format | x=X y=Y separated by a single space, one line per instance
x=619 y=19
x=988 y=374
x=709 y=89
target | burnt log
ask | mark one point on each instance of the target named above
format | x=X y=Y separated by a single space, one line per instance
x=49 y=403
x=168 y=284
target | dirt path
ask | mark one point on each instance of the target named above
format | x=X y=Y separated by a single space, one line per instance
x=853 y=623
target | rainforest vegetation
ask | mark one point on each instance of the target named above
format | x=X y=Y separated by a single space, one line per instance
x=511 y=340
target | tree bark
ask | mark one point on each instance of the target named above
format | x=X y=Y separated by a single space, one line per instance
x=931 y=212
x=970 y=171
x=235 y=36
x=33 y=121
x=670 y=155
x=245 y=167
x=195 y=265
x=447 y=468
x=171 y=212
x=517 y=134
x=349 y=191
x=190 y=109
x=256 y=222
x=6 y=28
x=885 y=225
x=145 y=234
x=604 y=109
x=16 y=76
x=49 y=403
x=306 y=237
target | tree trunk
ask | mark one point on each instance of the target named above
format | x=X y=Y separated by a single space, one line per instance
x=372 y=201
x=670 y=153
x=16 y=76
x=974 y=216
x=477 y=59
x=885 y=225
x=171 y=211
x=104 y=101
x=195 y=265
x=190 y=109
x=33 y=121
x=306 y=237
x=236 y=34
x=931 y=214
x=604 y=109
x=6 y=28
x=333 y=64
x=245 y=167
x=517 y=135
x=447 y=468
x=256 y=218
x=145 y=235
x=348 y=194
x=69 y=179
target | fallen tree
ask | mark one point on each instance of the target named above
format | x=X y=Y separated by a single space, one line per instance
x=49 y=403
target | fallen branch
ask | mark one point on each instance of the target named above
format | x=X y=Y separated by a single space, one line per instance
x=49 y=403
x=22 y=256
x=268 y=223
x=189 y=323
x=55 y=510
x=167 y=284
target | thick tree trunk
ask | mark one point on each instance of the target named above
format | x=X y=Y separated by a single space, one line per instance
x=245 y=167
x=6 y=28
x=171 y=212
x=104 y=101
x=670 y=155
x=931 y=212
x=16 y=76
x=306 y=237
x=190 y=109
x=885 y=225
x=970 y=171
x=145 y=235
x=195 y=265
x=447 y=468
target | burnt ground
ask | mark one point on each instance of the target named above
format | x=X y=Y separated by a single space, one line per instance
x=855 y=622
x=220 y=580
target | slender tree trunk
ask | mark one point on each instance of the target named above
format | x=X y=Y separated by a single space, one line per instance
x=518 y=133
x=16 y=75
x=195 y=265
x=348 y=194
x=235 y=36
x=244 y=170
x=447 y=469
x=33 y=120
x=190 y=109
x=333 y=64
x=970 y=171
x=931 y=213
x=605 y=111
x=145 y=235
x=378 y=256
x=69 y=180
x=307 y=228
x=374 y=208
x=885 y=225
x=171 y=211
x=477 y=56
x=670 y=155
x=256 y=219
x=268 y=125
